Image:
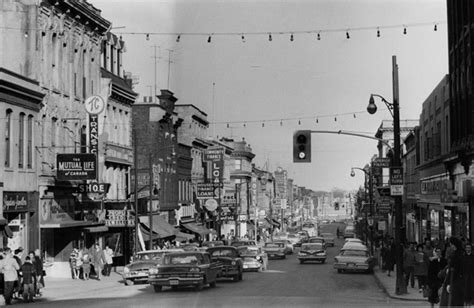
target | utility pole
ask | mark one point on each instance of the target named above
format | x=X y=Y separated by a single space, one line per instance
x=169 y=66
x=155 y=57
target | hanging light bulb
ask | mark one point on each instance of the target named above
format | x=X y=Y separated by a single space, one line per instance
x=335 y=119
x=347 y=35
x=378 y=32
x=26 y=33
x=209 y=39
x=245 y=125
x=263 y=124
x=317 y=121
x=405 y=30
x=227 y=125
x=435 y=27
x=178 y=38
x=354 y=115
x=281 y=123
x=147 y=37
x=319 y=36
x=269 y=37
x=291 y=37
x=243 y=38
x=299 y=122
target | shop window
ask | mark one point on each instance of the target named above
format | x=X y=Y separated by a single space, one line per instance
x=115 y=242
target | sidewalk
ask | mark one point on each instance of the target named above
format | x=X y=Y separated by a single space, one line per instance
x=389 y=283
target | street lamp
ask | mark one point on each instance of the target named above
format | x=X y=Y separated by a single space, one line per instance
x=400 y=286
x=368 y=234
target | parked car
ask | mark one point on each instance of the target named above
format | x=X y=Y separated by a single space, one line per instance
x=312 y=252
x=317 y=239
x=228 y=256
x=355 y=245
x=355 y=259
x=293 y=238
x=353 y=240
x=191 y=247
x=254 y=258
x=212 y=244
x=349 y=231
x=239 y=243
x=137 y=270
x=275 y=250
x=329 y=239
x=184 y=269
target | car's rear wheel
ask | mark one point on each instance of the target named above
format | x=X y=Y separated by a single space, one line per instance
x=129 y=282
x=301 y=261
x=339 y=270
x=157 y=288
x=323 y=261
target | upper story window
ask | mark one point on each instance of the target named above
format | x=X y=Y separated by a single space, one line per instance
x=29 y=145
x=8 y=133
x=238 y=164
x=21 y=140
x=54 y=122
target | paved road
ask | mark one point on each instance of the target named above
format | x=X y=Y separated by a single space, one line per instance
x=286 y=284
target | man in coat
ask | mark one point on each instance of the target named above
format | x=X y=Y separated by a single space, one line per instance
x=468 y=270
x=9 y=267
x=98 y=260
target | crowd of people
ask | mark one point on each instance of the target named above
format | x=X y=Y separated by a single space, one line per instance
x=445 y=273
x=93 y=260
x=23 y=276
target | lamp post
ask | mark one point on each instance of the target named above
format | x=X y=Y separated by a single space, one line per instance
x=400 y=286
x=371 y=233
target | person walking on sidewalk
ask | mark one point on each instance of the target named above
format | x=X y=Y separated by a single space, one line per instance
x=9 y=267
x=86 y=264
x=421 y=267
x=434 y=279
x=97 y=258
x=455 y=279
x=388 y=256
x=29 y=277
x=409 y=264
x=108 y=256
x=468 y=269
x=38 y=263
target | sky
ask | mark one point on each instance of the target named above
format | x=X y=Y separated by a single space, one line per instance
x=280 y=86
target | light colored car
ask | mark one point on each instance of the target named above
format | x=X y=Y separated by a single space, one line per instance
x=349 y=231
x=329 y=239
x=355 y=245
x=293 y=238
x=354 y=259
x=137 y=270
x=312 y=252
x=254 y=258
x=275 y=250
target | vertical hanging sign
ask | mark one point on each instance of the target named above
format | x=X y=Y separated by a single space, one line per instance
x=94 y=106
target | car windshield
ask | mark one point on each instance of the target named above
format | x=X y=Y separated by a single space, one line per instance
x=223 y=253
x=248 y=250
x=183 y=259
x=213 y=244
x=354 y=253
x=316 y=240
x=312 y=246
x=326 y=234
x=274 y=245
x=292 y=236
x=149 y=256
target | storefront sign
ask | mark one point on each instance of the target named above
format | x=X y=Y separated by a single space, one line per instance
x=101 y=188
x=207 y=190
x=211 y=205
x=119 y=218
x=213 y=155
x=15 y=201
x=76 y=167
x=381 y=162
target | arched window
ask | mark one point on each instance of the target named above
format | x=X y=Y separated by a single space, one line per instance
x=29 y=149
x=8 y=134
x=21 y=140
x=83 y=139
x=54 y=122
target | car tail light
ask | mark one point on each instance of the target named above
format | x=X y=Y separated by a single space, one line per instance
x=153 y=271
x=195 y=269
x=233 y=263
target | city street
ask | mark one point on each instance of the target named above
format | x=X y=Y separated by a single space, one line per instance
x=286 y=284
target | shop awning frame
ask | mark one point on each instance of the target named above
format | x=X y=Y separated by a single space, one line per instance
x=196 y=228
x=96 y=229
x=160 y=226
x=70 y=224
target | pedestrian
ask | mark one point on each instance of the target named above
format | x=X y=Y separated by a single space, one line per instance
x=421 y=267
x=455 y=279
x=97 y=260
x=108 y=256
x=434 y=281
x=17 y=288
x=428 y=249
x=9 y=267
x=40 y=273
x=409 y=264
x=389 y=256
x=468 y=270
x=86 y=264
x=29 y=277
x=73 y=263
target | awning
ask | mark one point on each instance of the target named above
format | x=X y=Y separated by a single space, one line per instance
x=7 y=231
x=70 y=224
x=146 y=234
x=159 y=224
x=96 y=229
x=273 y=222
x=181 y=236
x=194 y=227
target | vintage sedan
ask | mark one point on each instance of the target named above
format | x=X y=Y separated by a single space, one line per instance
x=354 y=259
x=137 y=270
x=312 y=252
x=276 y=250
x=254 y=258
x=317 y=239
x=228 y=256
x=209 y=244
x=185 y=269
x=329 y=239
x=238 y=243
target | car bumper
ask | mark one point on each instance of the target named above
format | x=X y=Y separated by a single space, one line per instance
x=275 y=254
x=229 y=271
x=176 y=281
x=135 y=277
x=311 y=258
x=255 y=265
x=356 y=267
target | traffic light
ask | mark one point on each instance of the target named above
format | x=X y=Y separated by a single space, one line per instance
x=302 y=146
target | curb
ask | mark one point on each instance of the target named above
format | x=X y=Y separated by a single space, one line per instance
x=382 y=286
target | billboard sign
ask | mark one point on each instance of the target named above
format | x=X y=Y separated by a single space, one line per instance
x=76 y=166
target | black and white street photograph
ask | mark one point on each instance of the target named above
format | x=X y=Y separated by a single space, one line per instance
x=236 y=153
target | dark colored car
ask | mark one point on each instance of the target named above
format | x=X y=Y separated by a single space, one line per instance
x=228 y=256
x=243 y=243
x=185 y=269
x=275 y=250
x=212 y=244
x=312 y=252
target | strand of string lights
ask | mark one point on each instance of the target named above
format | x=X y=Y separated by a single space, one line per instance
x=291 y=33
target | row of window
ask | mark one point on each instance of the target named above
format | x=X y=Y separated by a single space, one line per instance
x=24 y=138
